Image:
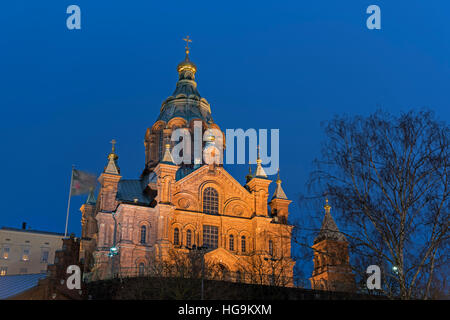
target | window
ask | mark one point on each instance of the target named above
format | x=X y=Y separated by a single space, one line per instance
x=5 y=253
x=243 y=244
x=141 y=269
x=26 y=254
x=271 y=247
x=44 y=256
x=189 y=238
x=210 y=237
x=231 y=242
x=143 y=234
x=176 y=237
x=3 y=271
x=210 y=201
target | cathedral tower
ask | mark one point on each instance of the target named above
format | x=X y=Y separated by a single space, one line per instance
x=175 y=207
x=186 y=110
x=332 y=270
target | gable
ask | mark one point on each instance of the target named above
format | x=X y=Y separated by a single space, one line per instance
x=234 y=199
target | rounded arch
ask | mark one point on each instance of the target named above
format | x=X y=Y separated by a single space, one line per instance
x=245 y=242
x=138 y=233
x=158 y=126
x=189 y=235
x=176 y=234
x=141 y=267
x=210 y=201
x=236 y=207
x=186 y=201
x=176 y=122
x=232 y=237
x=213 y=185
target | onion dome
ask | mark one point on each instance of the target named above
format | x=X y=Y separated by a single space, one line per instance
x=186 y=102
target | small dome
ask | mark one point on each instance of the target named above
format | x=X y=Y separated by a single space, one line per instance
x=186 y=102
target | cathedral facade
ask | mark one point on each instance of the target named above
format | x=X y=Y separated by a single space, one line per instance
x=173 y=210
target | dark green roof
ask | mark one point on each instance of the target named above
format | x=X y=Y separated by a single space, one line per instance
x=128 y=190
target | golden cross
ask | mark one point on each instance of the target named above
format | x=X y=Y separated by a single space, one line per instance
x=113 y=142
x=187 y=44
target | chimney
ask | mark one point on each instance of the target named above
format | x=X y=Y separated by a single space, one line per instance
x=24 y=225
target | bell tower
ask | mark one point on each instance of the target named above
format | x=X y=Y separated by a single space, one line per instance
x=332 y=270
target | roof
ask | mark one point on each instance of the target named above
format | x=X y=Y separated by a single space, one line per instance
x=279 y=192
x=185 y=171
x=33 y=231
x=186 y=102
x=91 y=198
x=128 y=190
x=329 y=230
x=15 y=284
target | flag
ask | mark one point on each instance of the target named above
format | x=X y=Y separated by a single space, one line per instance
x=82 y=182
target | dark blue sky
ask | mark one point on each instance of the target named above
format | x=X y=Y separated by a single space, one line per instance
x=261 y=64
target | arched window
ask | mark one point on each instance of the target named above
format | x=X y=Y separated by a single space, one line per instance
x=271 y=247
x=189 y=238
x=210 y=201
x=176 y=237
x=243 y=245
x=141 y=269
x=231 y=242
x=143 y=234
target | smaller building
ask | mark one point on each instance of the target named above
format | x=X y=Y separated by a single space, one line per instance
x=332 y=269
x=26 y=251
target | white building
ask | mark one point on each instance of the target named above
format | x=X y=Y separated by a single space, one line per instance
x=25 y=251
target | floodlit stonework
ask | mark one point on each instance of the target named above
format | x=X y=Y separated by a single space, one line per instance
x=172 y=210
x=156 y=224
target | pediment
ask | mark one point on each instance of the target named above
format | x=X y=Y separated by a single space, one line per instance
x=221 y=256
x=235 y=200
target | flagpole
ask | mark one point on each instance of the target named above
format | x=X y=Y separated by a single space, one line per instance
x=68 y=202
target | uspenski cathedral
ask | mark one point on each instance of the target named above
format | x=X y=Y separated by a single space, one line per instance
x=172 y=210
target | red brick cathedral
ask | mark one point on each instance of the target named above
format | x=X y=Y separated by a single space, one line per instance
x=170 y=211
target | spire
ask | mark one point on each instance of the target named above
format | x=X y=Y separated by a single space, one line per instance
x=249 y=176
x=259 y=173
x=167 y=159
x=187 y=69
x=187 y=46
x=91 y=197
x=279 y=192
x=185 y=101
x=329 y=230
x=112 y=166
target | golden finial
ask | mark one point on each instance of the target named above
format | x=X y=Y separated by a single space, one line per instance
x=113 y=155
x=258 y=159
x=278 y=176
x=327 y=207
x=187 y=44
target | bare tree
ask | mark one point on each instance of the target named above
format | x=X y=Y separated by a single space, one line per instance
x=388 y=177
